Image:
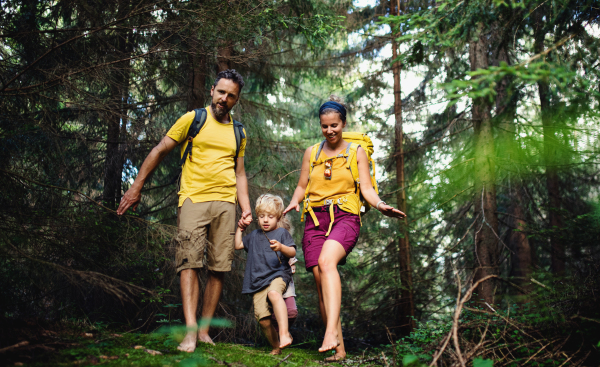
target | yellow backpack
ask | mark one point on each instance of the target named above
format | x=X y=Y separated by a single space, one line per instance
x=353 y=203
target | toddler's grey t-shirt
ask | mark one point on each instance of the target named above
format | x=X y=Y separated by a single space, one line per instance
x=262 y=265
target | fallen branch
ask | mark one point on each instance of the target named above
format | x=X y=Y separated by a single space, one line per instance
x=283 y=360
x=18 y=345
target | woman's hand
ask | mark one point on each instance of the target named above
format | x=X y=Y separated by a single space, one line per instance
x=390 y=211
x=290 y=207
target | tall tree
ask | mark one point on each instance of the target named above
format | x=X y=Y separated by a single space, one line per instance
x=405 y=303
x=484 y=200
x=557 y=248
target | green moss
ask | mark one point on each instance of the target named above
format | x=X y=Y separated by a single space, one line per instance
x=100 y=348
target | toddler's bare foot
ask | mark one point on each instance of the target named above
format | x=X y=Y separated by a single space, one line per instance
x=275 y=352
x=204 y=338
x=329 y=342
x=285 y=340
x=188 y=344
x=336 y=357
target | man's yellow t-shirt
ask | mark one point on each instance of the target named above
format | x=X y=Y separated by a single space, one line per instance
x=209 y=176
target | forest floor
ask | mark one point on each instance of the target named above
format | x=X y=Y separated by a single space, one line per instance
x=68 y=347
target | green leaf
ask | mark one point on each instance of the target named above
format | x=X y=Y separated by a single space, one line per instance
x=409 y=359
x=480 y=362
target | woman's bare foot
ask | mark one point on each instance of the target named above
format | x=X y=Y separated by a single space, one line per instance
x=188 y=344
x=336 y=357
x=285 y=341
x=275 y=352
x=204 y=338
x=329 y=342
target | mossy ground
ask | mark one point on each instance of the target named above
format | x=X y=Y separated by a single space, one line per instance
x=112 y=349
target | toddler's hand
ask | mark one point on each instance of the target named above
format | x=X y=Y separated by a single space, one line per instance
x=275 y=245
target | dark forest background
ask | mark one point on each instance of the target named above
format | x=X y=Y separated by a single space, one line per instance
x=485 y=118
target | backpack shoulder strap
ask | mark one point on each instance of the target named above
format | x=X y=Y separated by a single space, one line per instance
x=195 y=128
x=238 y=130
x=316 y=152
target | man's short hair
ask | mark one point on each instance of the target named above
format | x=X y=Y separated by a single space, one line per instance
x=232 y=75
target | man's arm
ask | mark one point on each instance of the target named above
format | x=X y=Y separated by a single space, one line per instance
x=132 y=197
x=242 y=193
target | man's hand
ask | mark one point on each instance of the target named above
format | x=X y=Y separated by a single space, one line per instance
x=245 y=220
x=131 y=198
x=276 y=245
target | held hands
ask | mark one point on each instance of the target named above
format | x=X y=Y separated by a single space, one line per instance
x=131 y=198
x=245 y=220
x=390 y=211
x=275 y=245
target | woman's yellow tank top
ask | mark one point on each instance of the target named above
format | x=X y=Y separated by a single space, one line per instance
x=340 y=184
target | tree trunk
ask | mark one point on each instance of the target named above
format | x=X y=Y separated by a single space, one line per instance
x=197 y=92
x=405 y=303
x=557 y=248
x=484 y=201
x=224 y=58
x=521 y=254
x=117 y=115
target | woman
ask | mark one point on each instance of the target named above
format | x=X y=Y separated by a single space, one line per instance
x=333 y=213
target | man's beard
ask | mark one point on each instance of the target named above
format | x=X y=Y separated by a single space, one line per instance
x=219 y=110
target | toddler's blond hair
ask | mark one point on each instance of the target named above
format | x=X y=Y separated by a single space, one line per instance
x=273 y=204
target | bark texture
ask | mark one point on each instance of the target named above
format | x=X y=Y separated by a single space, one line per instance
x=557 y=248
x=484 y=200
x=197 y=69
x=117 y=118
x=520 y=248
x=405 y=303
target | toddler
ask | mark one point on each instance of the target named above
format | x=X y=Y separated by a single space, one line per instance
x=268 y=272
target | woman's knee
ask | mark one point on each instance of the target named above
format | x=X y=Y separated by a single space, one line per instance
x=327 y=265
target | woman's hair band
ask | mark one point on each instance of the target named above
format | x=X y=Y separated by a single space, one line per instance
x=334 y=106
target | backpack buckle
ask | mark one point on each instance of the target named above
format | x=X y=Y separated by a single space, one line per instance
x=328 y=202
x=328 y=169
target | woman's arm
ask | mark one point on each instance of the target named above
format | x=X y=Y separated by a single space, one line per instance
x=367 y=190
x=239 y=245
x=302 y=183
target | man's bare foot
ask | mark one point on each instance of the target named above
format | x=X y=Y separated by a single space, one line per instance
x=188 y=344
x=204 y=338
x=336 y=357
x=329 y=342
x=275 y=352
x=285 y=341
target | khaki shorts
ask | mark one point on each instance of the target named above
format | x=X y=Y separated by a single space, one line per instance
x=262 y=306
x=207 y=226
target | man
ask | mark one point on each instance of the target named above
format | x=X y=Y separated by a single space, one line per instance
x=207 y=197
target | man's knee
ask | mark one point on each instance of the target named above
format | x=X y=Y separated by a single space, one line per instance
x=265 y=322
x=219 y=275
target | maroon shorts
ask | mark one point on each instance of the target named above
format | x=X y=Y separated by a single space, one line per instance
x=345 y=230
